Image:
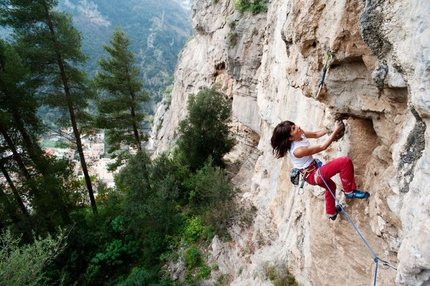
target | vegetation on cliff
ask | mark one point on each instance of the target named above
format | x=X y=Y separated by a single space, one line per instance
x=157 y=209
x=122 y=235
x=255 y=7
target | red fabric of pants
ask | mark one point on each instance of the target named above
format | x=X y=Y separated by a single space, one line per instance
x=342 y=166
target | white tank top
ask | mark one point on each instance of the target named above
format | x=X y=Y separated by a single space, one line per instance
x=304 y=161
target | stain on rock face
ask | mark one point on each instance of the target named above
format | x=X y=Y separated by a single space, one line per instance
x=413 y=151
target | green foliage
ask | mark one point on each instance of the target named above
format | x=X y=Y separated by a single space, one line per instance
x=138 y=277
x=280 y=275
x=39 y=47
x=204 y=132
x=193 y=229
x=152 y=199
x=151 y=207
x=157 y=30
x=22 y=264
x=51 y=47
x=232 y=24
x=232 y=39
x=129 y=181
x=214 y=198
x=204 y=273
x=58 y=193
x=114 y=250
x=212 y=195
x=103 y=247
x=196 y=267
x=90 y=235
x=208 y=186
x=156 y=205
x=193 y=257
x=48 y=185
x=223 y=279
x=253 y=6
x=121 y=97
x=118 y=224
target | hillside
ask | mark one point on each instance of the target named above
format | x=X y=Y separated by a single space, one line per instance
x=158 y=31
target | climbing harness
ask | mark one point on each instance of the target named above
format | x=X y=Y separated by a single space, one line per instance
x=375 y=257
x=324 y=71
x=295 y=174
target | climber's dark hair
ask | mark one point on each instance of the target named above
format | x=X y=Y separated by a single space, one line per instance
x=280 y=138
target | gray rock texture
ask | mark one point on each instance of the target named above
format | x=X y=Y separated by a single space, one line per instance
x=270 y=64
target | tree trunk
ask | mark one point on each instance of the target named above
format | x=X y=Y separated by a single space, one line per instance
x=72 y=113
x=136 y=130
x=34 y=151
x=18 y=199
x=15 y=153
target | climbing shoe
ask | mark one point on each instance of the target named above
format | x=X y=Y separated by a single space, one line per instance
x=338 y=210
x=356 y=194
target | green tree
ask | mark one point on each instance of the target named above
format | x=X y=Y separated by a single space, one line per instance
x=12 y=165
x=52 y=48
x=152 y=196
x=121 y=97
x=46 y=185
x=204 y=132
x=22 y=264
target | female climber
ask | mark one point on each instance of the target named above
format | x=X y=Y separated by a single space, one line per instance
x=288 y=137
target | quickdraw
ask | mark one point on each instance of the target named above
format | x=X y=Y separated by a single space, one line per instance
x=326 y=67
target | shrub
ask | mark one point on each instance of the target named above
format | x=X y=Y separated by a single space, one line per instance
x=208 y=186
x=193 y=257
x=23 y=264
x=280 y=275
x=116 y=251
x=255 y=7
x=138 y=277
x=204 y=132
x=211 y=196
x=193 y=229
x=204 y=272
x=232 y=39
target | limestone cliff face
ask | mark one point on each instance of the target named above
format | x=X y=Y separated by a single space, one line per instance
x=270 y=65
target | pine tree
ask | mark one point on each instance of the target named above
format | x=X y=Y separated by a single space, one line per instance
x=46 y=185
x=12 y=162
x=52 y=48
x=121 y=97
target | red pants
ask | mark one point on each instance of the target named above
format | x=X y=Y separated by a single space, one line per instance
x=342 y=166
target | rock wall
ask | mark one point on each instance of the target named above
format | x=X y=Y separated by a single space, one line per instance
x=270 y=64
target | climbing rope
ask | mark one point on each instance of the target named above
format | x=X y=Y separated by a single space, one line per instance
x=324 y=71
x=375 y=257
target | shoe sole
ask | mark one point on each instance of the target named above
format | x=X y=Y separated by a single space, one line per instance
x=338 y=210
x=365 y=196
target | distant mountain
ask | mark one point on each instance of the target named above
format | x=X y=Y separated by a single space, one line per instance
x=158 y=29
